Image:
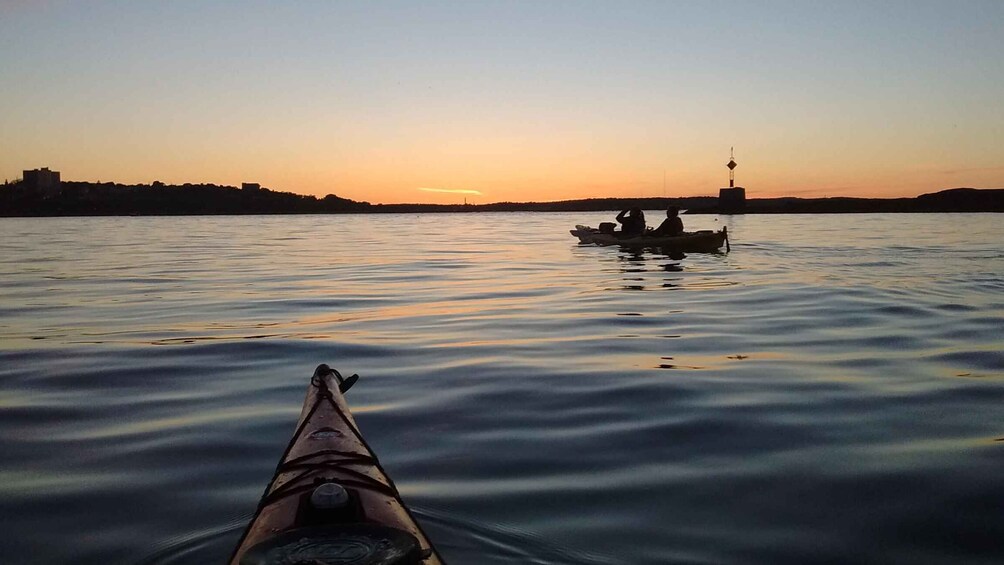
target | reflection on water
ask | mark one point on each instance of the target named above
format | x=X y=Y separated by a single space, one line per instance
x=815 y=395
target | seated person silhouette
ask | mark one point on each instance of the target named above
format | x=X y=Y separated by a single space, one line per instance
x=632 y=223
x=672 y=225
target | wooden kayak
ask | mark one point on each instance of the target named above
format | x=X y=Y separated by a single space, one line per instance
x=330 y=501
x=704 y=241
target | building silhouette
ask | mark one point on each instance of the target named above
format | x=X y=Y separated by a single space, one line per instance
x=42 y=181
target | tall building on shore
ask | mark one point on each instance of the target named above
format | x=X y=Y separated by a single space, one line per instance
x=43 y=181
x=732 y=200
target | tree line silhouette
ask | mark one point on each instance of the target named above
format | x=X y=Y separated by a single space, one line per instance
x=74 y=198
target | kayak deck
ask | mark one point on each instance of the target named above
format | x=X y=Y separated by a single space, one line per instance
x=330 y=500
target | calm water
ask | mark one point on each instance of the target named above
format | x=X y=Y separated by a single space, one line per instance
x=831 y=391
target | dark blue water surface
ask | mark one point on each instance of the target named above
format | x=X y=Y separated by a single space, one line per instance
x=830 y=391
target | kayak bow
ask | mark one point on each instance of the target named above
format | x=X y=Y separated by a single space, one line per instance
x=330 y=501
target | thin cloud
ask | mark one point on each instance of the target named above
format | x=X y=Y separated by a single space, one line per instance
x=451 y=190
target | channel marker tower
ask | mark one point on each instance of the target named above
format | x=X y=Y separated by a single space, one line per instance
x=732 y=200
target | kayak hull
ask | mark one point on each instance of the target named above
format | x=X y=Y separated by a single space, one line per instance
x=706 y=241
x=328 y=448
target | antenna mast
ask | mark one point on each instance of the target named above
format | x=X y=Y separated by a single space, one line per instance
x=732 y=167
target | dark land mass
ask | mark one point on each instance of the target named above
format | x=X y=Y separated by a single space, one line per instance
x=73 y=198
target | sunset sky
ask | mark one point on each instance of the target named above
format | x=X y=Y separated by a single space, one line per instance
x=508 y=101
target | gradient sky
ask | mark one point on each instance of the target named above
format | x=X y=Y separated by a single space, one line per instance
x=405 y=102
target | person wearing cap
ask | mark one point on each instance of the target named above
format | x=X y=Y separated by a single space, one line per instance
x=672 y=225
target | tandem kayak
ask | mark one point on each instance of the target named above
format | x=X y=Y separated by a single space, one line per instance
x=330 y=501
x=704 y=241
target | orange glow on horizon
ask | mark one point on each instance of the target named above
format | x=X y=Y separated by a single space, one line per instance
x=532 y=176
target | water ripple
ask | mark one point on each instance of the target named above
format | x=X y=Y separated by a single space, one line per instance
x=817 y=395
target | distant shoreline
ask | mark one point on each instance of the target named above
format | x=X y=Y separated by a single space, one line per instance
x=109 y=199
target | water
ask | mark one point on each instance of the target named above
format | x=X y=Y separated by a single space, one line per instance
x=831 y=391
